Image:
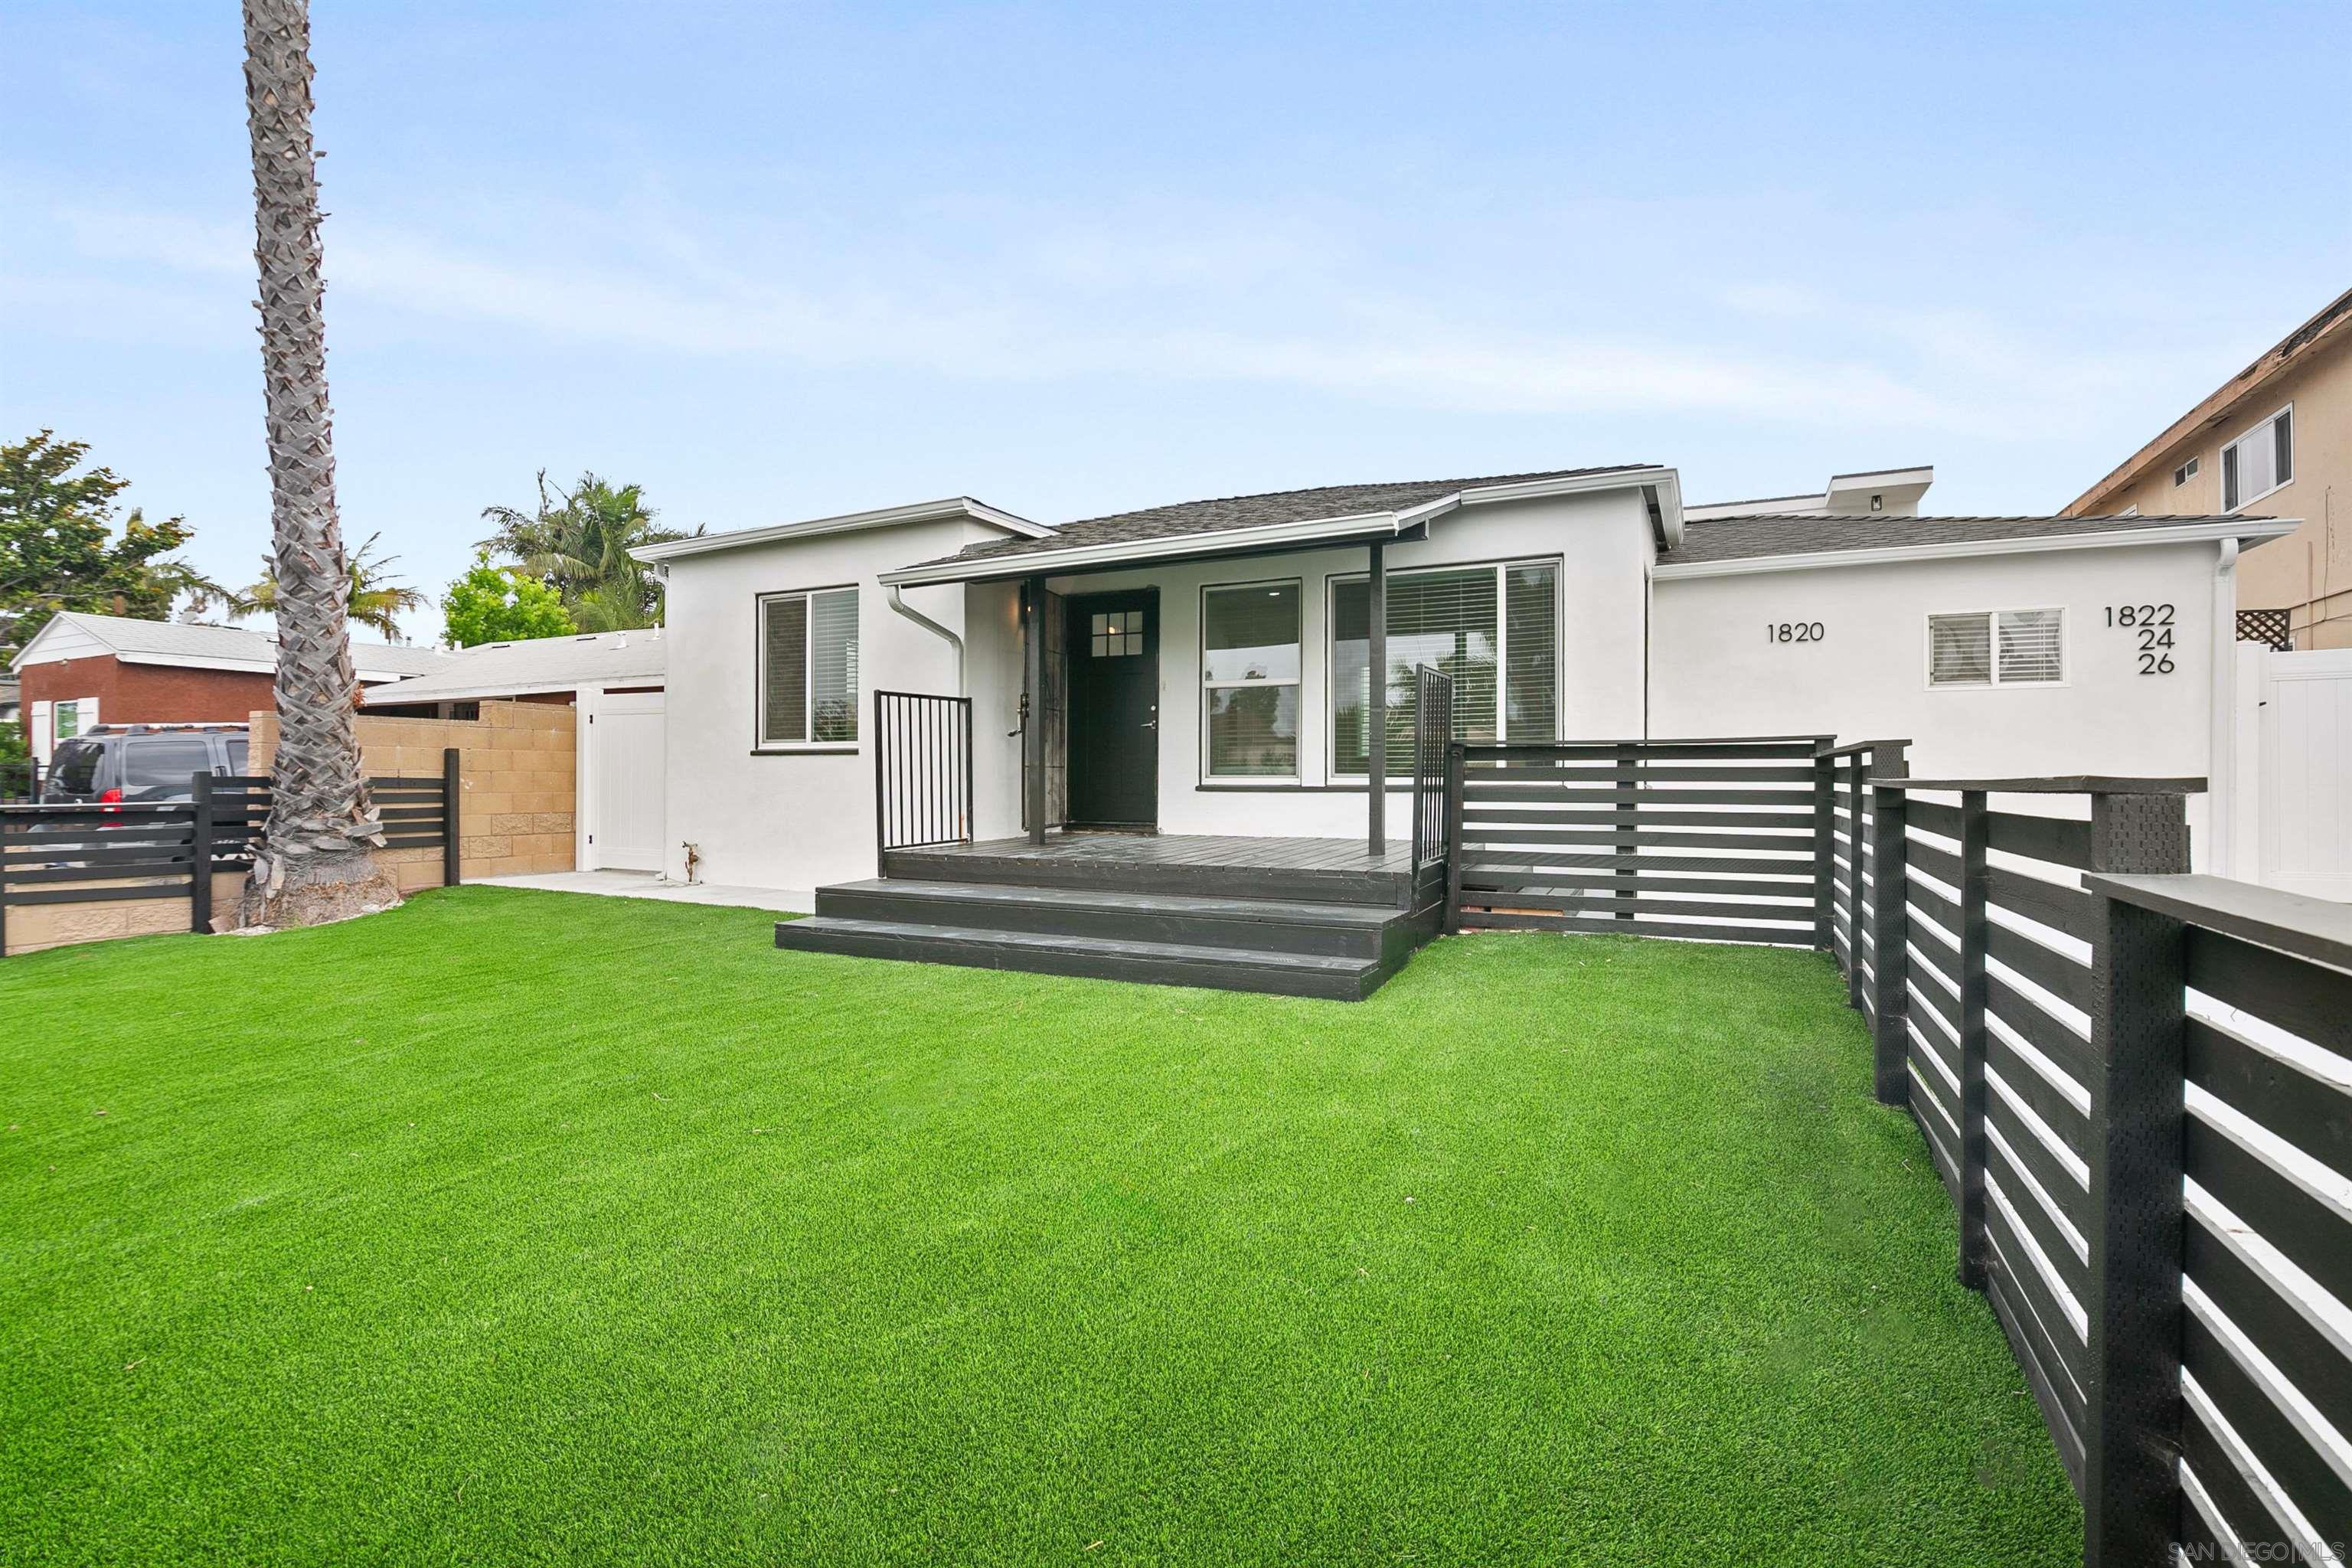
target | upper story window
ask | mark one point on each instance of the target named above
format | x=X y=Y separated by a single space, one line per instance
x=2186 y=472
x=2259 y=461
x=1997 y=648
x=808 y=668
x=1494 y=629
x=1249 y=680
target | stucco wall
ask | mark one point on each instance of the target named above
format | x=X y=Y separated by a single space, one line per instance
x=1715 y=672
x=792 y=819
x=2308 y=571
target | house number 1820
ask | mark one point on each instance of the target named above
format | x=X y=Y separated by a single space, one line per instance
x=1794 y=631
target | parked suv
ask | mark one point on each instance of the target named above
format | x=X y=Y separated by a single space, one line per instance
x=139 y=763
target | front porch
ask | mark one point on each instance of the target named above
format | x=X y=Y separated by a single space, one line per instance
x=1293 y=916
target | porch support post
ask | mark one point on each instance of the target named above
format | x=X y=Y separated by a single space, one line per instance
x=1375 y=708
x=1032 y=705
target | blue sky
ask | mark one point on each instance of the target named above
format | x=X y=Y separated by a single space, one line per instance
x=777 y=261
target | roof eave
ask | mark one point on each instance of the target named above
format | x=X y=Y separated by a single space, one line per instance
x=1661 y=484
x=2256 y=531
x=881 y=517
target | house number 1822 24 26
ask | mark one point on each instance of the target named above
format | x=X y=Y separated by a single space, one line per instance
x=1794 y=631
x=2151 y=626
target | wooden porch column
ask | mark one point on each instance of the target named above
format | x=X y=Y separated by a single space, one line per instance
x=1032 y=705
x=1376 y=708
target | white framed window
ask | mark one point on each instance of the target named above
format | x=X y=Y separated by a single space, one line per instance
x=2186 y=472
x=1493 y=627
x=2259 y=461
x=1997 y=648
x=807 y=692
x=1249 y=681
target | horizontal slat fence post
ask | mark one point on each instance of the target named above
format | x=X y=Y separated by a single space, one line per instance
x=1973 y=1148
x=1826 y=851
x=200 y=854
x=1857 y=769
x=1890 y=934
x=453 y=790
x=2131 y=1441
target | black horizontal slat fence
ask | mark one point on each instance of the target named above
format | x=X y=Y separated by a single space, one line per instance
x=2137 y=1085
x=1713 y=839
x=55 y=853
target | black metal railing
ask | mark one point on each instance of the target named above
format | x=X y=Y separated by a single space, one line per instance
x=105 y=852
x=922 y=771
x=1433 y=734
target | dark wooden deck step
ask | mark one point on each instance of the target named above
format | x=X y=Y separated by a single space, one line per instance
x=1339 y=931
x=1344 y=979
x=1153 y=866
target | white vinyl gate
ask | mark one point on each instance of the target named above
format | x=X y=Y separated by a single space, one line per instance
x=625 y=776
x=2306 y=772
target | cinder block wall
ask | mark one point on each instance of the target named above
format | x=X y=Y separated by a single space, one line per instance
x=34 y=927
x=517 y=787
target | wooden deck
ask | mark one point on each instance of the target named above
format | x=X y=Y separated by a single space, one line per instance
x=1339 y=870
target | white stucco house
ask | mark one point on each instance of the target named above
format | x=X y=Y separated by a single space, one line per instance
x=1202 y=668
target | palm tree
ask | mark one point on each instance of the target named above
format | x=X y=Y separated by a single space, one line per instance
x=313 y=862
x=578 y=542
x=375 y=601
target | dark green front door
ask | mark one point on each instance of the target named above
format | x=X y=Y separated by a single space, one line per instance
x=1114 y=652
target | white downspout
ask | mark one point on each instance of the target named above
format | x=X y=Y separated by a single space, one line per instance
x=2223 y=762
x=933 y=626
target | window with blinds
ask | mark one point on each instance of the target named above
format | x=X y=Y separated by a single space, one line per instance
x=1494 y=630
x=1249 y=680
x=808 y=669
x=1997 y=648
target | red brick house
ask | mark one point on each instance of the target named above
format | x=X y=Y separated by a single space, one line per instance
x=81 y=670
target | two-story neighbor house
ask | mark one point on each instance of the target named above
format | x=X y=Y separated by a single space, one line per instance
x=2276 y=438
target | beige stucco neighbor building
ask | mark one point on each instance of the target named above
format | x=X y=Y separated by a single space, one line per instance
x=2275 y=438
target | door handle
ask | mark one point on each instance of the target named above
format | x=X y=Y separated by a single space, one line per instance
x=1151 y=724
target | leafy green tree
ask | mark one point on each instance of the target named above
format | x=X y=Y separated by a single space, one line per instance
x=377 y=599
x=60 y=547
x=577 y=541
x=500 y=604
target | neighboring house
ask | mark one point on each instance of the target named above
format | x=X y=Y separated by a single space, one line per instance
x=1878 y=493
x=1204 y=669
x=83 y=670
x=2276 y=438
x=614 y=680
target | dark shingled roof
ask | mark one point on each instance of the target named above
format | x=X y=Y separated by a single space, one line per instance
x=1766 y=534
x=1257 y=512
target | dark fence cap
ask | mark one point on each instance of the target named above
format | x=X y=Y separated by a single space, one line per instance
x=2296 y=923
x=2072 y=784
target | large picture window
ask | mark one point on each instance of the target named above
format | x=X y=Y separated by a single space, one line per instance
x=808 y=669
x=1494 y=629
x=1249 y=680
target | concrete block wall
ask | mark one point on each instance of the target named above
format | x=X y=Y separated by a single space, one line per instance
x=34 y=927
x=515 y=767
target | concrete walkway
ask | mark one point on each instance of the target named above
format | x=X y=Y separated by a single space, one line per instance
x=646 y=885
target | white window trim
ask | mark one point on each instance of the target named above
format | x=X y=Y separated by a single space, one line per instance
x=760 y=744
x=1502 y=646
x=1993 y=627
x=1298 y=756
x=2220 y=462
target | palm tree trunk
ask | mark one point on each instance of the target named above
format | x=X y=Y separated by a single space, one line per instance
x=313 y=862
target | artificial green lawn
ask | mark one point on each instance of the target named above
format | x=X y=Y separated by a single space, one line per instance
x=515 y=1226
